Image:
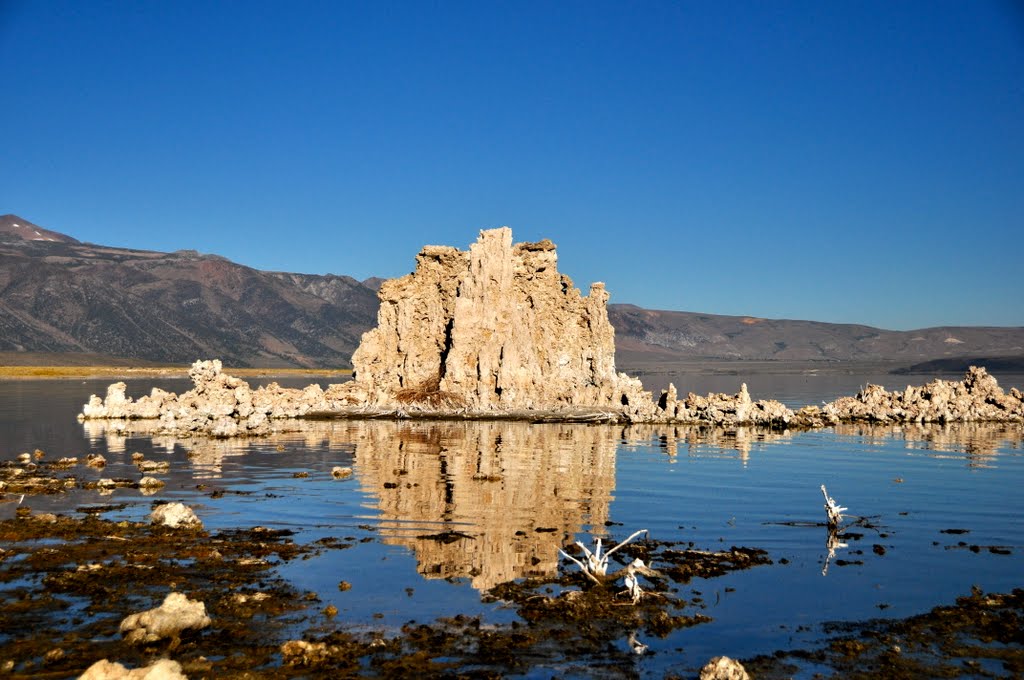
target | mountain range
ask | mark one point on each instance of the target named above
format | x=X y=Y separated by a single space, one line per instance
x=62 y=297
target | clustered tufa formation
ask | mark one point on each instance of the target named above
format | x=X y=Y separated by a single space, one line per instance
x=497 y=331
x=496 y=328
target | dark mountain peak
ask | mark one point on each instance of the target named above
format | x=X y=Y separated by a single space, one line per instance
x=373 y=283
x=19 y=228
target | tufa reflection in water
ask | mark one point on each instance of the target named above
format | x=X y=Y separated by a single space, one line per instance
x=503 y=495
x=693 y=439
x=486 y=501
x=493 y=501
x=978 y=443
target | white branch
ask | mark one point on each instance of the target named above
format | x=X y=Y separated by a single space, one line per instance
x=631 y=537
x=833 y=510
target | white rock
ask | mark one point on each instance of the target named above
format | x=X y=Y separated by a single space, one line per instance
x=163 y=669
x=723 y=668
x=175 y=515
x=176 y=614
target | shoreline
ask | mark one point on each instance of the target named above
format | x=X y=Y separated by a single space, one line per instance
x=650 y=369
x=170 y=372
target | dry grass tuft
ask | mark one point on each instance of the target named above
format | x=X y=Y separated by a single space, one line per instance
x=428 y=394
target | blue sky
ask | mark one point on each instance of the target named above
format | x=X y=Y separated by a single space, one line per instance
x=856 y=162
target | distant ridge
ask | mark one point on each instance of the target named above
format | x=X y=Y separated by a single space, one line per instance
x=12 y=226
x=645 y=335
x=59 y=295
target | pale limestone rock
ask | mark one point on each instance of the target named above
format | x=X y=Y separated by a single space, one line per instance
x=175 y=515
x=163 y=669
x=731 y=410
x=723 y=668
x=497 y=331
x=219 y=405
x=977 y=397
x=493 y=329
x=116 y=405
x=169 y=620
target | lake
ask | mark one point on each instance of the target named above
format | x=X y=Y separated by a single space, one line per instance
x=942 y=504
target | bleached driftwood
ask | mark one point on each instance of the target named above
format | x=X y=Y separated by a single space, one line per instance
x=833 y=511
x=631 y=581
x=595 y=565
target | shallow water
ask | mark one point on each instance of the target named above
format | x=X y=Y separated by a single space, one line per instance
x=517 y=492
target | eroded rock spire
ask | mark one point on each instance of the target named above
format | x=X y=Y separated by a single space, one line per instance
x=494 y=328
x=497 y=331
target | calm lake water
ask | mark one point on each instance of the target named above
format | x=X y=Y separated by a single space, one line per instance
x=500 y=482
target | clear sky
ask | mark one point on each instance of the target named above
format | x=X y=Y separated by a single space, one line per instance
x=857 y=162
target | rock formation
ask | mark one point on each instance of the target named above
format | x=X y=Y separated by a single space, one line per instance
x=723 y=668
x=175 y=515
x=494 y=329
x=977 y=397
x=497 y=332
x=176 y=615
x=161 y=669
x=219 y=405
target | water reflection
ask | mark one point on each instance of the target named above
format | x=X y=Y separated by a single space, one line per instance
x=486 y=501
x=832 y=543
x=493 y=501
x=697 y=440
x=979 y=444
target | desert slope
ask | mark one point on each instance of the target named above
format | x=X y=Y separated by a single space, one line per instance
x=59 y=295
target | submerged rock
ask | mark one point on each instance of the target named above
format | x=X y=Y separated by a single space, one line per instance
x=176 y=615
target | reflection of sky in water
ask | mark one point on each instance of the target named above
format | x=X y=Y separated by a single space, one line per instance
x=512 y=493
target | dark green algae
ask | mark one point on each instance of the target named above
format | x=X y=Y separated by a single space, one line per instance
x=66 y=582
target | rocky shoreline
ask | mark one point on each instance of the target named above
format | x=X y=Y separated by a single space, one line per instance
x=496 y=332
x=183 y=601
x=221 y=405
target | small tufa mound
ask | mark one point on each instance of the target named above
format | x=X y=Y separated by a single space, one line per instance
x=175 y=515
x=162 y=669
x=341 y=472
x=176 y=615
x=723 y=668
